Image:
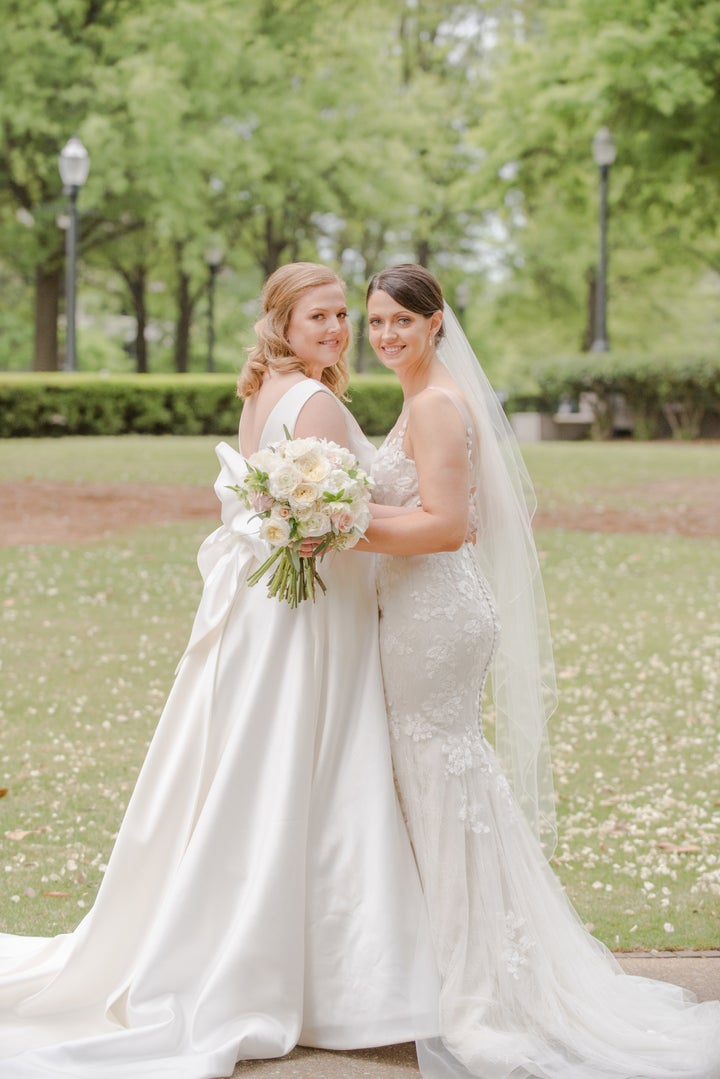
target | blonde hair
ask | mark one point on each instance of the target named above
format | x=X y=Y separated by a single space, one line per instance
x=272 y=349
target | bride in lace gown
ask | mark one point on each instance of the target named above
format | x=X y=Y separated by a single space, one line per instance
x=526 y=991
x=262 y=890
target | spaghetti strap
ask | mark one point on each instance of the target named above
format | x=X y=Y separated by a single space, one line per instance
x=458 y=401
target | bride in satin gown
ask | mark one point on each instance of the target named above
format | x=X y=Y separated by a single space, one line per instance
x=262 y=890
x=525 y=990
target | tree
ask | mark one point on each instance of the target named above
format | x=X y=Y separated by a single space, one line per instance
x=558 y=71
x=47 y=83
x=451 y=133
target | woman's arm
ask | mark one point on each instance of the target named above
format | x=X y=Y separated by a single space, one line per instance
x=379 y=509
x=322 y=416
x=439 y=447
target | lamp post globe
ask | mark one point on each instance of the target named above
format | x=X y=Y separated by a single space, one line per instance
x=604 y=148
x=74 y=167
x=604 y=155
x=74 y=163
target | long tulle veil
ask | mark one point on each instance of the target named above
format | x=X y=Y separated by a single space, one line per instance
x=523 y=673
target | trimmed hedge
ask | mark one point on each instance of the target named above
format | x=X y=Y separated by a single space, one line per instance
x=662 y=392
x=675 y=392
x=52 y=404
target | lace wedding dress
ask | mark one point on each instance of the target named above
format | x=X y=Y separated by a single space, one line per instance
x=262 y=890
x=526 y=991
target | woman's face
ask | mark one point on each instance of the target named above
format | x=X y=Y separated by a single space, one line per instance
x=400 y=338
x=318 y=330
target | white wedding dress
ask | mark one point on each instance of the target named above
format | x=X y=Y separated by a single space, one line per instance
x=262 y=890
x=526 y=991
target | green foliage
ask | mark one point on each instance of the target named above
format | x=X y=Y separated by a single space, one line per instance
x=375 y=402
x=680 y=389
x=455 y=134
x=34 y=406
x=559 y=71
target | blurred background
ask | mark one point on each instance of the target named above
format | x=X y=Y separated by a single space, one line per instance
x=556 y=164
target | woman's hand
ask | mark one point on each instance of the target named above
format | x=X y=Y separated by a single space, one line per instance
x=307 y=548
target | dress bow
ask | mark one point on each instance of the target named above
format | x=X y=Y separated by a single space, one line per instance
x=228 y=554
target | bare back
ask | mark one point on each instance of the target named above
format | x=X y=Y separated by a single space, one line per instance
x=320 y=415
x=257 y=409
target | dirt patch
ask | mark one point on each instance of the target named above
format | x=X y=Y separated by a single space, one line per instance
x=687 y=507
x=36 y=512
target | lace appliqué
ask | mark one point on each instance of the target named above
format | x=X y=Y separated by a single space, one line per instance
x=472 y=814
x=438 y=630
x=463 y=751
x=415 y=726
x=396 y=482
x=518 y=944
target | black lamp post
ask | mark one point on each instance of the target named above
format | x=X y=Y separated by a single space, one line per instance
x=213 y=258
x=74 y=165
x=604 y=154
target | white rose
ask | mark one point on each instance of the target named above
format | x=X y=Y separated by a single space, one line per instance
x=298 y=447
x=275 y=530
x=314 y=466
x=304 y=494
x=264 y=460
x=304 y=513
x=345 y=540
x=283 y=480
x=315 y=524
x=335 y=481
x=339 y=456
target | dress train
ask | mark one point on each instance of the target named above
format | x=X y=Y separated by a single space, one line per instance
x=526 y=991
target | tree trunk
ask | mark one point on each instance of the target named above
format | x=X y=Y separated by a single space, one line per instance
x=423 y=252
x=136 y=284
x=273 y=248
x=47 y=305
x=183 y=322
x=136 y=280
x=361 y=342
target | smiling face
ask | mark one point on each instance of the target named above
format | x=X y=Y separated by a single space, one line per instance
x=401 y=339
x=318 y=331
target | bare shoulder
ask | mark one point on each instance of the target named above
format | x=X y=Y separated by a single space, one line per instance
x=322 y=416
x=435 y=410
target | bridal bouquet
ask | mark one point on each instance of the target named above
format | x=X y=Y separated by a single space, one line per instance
x=303 y=488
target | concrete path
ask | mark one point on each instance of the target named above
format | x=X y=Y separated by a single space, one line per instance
x=697 y=971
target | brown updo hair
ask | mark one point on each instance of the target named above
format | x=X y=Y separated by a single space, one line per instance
x=280 y=294
x=413 y=287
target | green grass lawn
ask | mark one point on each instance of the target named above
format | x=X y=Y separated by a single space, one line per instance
x=132 y=459
x=91 y=633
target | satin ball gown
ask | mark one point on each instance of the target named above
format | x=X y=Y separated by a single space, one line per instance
x=262 y=891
